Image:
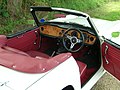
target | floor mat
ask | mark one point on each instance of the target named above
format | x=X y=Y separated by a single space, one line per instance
x=89 y=59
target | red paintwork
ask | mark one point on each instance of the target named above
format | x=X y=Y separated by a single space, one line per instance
x=113 y=56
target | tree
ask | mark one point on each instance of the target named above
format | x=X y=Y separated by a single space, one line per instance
x=14 y=7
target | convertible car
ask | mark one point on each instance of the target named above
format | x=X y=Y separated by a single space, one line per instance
x=63 y=51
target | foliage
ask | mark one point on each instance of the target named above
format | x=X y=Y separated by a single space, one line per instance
x=15 y=13
x=110 y=11
x=82 y=5
x=9 y=25
x=115 y=34
x=3 y=9
x=22 y=6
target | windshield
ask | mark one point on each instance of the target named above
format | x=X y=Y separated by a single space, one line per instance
x=60 y=15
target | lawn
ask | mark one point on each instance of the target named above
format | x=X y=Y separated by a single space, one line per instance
x=109 y=11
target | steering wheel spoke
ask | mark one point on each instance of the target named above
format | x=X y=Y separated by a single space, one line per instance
x=69 y=37
x=79 y=40
x=72 y=46
x=73 y=39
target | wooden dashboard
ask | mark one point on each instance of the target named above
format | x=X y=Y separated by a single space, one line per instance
x=52 y=30
x=58 y=32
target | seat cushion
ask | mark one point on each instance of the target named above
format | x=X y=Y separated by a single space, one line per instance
x=28 y=53
x=13 y=50
x=82 y=68
x=38 y=54
x=3 y=40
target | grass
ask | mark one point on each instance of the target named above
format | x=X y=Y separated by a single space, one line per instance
x=109 y=11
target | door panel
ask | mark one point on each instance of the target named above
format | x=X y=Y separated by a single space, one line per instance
x=111 y=58
x=25 y=41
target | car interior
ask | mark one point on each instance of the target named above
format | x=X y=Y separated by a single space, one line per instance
x=44 y=47
x=39 y=45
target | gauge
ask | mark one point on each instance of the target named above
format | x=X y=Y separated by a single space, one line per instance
x=74 y=33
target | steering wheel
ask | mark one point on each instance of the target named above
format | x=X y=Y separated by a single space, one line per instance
x=73 y=40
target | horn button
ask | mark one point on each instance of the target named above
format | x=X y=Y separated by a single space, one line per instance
x=74 y=40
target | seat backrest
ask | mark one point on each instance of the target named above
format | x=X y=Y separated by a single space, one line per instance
x=3 y=40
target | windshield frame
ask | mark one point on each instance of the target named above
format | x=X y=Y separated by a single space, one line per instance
x=33 y=9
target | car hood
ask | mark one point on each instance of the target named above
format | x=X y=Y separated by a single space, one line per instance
x=106 y=28
x=14 y=80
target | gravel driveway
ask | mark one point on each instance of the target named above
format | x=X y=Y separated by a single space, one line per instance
x=107 y=82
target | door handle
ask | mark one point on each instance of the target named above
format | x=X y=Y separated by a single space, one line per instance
x=107 y=62
x=106 y=50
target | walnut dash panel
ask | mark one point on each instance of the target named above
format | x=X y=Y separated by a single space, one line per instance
x=90 y=39
x=51 y=30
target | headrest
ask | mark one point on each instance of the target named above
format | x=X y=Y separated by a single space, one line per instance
x=3 y=40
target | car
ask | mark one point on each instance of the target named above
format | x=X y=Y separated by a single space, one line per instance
x=65 y=50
